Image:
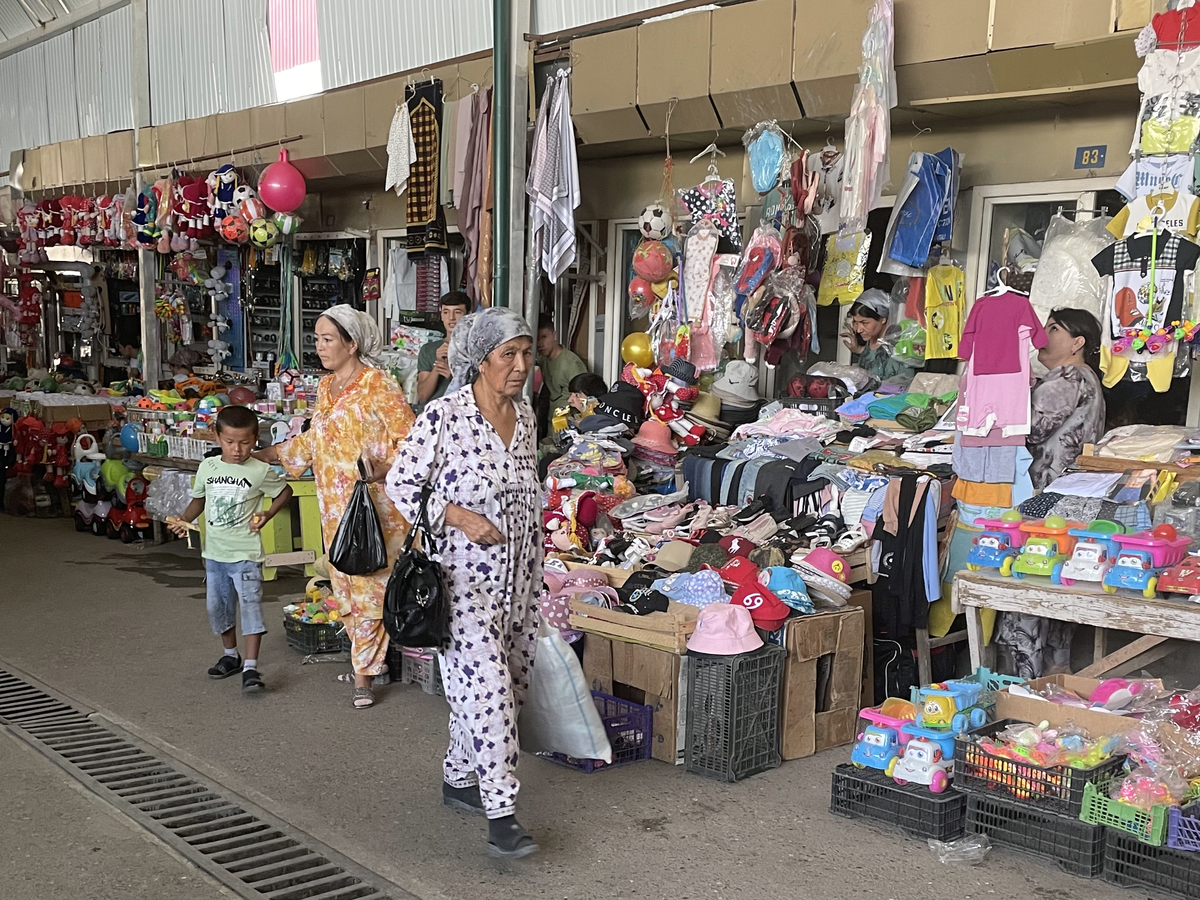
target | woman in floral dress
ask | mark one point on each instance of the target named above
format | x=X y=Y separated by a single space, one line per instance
x=476 y=448
x=361 y=413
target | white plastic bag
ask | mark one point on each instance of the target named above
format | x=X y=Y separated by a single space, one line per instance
x=559 y=715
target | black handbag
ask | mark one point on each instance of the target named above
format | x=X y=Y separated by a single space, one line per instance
x=416 y=604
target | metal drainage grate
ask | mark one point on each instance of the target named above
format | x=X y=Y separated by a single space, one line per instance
x=245 y=848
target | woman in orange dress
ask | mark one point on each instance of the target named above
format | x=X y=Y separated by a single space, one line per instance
x=361 y=413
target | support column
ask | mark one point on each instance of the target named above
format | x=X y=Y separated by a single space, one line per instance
x=510 y=120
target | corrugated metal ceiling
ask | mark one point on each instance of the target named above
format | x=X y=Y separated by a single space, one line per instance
x=553 y=16
x=15 y=18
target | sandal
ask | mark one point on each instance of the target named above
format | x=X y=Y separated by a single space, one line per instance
x=364 y=698
x=379 y=680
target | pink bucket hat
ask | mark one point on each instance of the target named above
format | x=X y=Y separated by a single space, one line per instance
x=724 y=630
x=590 y=587
x=656 y=436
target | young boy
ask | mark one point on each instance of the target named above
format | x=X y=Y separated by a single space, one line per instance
x=229 y=490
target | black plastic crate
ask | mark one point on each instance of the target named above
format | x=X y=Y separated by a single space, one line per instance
x=1057 y=789
x=914 y=809
x=733 y=713
x=314 y=637
x=1131 y=863
x=1077 y=847
x=630 y=732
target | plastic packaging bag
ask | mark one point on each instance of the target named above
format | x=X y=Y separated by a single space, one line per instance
x=970 y=849
x=169 y=494
x=559 y=715
x=358 y=547
x=1065 y=275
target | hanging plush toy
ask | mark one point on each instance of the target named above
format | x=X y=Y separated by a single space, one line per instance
x=222 y=185
x=144 y=218
x=8 y=418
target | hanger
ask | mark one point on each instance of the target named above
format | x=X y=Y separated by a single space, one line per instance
x=712 y=151
x=1001 y=287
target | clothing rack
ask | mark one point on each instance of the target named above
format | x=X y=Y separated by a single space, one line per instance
x=1102 y=211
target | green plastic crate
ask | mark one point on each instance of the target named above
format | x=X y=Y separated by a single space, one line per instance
x=1099 y=809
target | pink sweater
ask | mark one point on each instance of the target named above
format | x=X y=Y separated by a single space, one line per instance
x=995 y=321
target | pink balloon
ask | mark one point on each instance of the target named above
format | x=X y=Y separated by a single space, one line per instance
x=281 y=186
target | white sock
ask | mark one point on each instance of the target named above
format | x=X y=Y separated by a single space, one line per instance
x=250 y=664
x=231 y=653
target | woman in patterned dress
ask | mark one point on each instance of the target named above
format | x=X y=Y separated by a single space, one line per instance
x=361 y=413
x=476 y=448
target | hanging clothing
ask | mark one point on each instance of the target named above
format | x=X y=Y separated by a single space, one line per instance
x=919 y=206
x=715 y=201
x=370 y=418
x=905 y=551
x=997 y=402
x=945 y=296
x=1153 y=173
x=994 y=321
x=1127 y=266
x=465 y=114
x=425 y=221
x=1177 y=211
x=474 y=187
x=446 y=152
x=487 y=228
x=401 y=150
x=553 y=182
x=400 y=289
x=494 y=590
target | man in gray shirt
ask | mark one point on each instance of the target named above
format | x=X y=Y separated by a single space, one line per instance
x=433 y=372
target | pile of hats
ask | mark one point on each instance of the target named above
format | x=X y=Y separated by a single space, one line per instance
x=621 y=411
x=737 y=389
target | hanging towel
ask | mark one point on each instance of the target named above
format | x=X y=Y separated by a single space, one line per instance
x=401 y=151
x=466 y=112
x=400 y=290
x=553 y=184
x=425 y=220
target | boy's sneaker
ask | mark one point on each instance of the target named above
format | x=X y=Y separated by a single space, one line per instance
x=226 y=666
x=251 y=681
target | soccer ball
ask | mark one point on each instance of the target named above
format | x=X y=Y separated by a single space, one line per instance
x=234 y=229
x=655 y=223
x=263 y=233
x=287 y=223
x=252 y=209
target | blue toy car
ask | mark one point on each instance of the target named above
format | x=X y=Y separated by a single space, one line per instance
x=991 y=550
x=1133 y=570
x=878 y=747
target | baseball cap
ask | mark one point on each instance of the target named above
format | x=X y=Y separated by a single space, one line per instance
x=736 y=546
x=786 y=584
x=766 y=610
x=674 y=556
x=738 y=571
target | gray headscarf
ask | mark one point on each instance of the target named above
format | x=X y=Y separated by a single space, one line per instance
x=476 y=336
x=361 y=328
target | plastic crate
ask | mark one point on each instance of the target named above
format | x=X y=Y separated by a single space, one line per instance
x=314 y=637
x=816 y=406
x=1057 y=789
x=630 y=732
x=914 y=809
x=733 y=713
x=1149 y=827
x=1183 y=828
x=1131 y=863
x=1077 y=847
x=421 y=667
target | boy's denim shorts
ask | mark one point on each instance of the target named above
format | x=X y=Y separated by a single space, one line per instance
x=229 y=583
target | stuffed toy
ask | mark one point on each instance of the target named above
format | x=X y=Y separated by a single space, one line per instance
x=222 y=184
x=28 y=218
x=8 y=418
x=144 y=217
x=195 y=211
x=241 y=194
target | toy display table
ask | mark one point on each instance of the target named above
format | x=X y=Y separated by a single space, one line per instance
x=280 y=545
x=1163 y=624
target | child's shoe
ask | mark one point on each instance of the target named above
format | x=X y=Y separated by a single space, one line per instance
x=226 y=666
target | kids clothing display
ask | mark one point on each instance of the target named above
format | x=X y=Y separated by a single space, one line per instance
x=1176 y=210
x=1154 y=173
x=995 y=319
x=945 y=288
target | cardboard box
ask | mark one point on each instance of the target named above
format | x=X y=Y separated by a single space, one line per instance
x=826 y=54
x=685 y=79
x=380 y=101
x=147 y=148
x=1029 y=709
x=171 y=143
x=202 y=141
x=822 y=682
x=95 y=159
x=926 y=30
x=604 y=87
x=760 y=31
x=97 y=414
x=51 y=166
x=1134 y=15
x=119 y=153
x=640 y=674
x=72 y=161
x=862 y=599
x=266 y=125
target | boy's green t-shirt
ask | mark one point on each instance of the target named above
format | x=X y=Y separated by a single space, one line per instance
x=232 y=495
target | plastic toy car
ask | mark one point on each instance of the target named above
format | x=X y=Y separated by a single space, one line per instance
x=1133 y=570
x=131 y=521
x=950 y=705
x=1039 y=556
x=1182 y=578
x=1090 y=562
x=878 y=747
x=925 y=761
x=992 y=550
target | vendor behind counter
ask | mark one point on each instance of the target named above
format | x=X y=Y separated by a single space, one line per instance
x=868 y=321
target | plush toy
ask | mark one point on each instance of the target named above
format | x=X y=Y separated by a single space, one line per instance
x=222 y=184
x=144 y=217
x=195 y=211
x=28 y=217
x=8 y=417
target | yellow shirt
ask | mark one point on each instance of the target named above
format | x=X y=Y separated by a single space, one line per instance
x=1177 y=211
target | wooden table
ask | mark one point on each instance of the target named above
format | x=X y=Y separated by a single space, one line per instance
x=1164 y=624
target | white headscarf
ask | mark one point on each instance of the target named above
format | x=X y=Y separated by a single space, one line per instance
x=476 y=336
x=361 y=328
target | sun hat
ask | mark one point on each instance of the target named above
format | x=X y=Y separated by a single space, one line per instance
x=786 y=584
x=656 y=436
x=723 y=629
x=766 y=610
x=706 y=408
x=590 y=587
x=693 y=588
x=674 y=556
x=739 y=381
x=736 y=545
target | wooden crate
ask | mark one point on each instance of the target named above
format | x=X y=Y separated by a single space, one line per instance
x=668 y=630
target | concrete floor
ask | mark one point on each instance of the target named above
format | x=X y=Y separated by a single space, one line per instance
x=123 y=629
